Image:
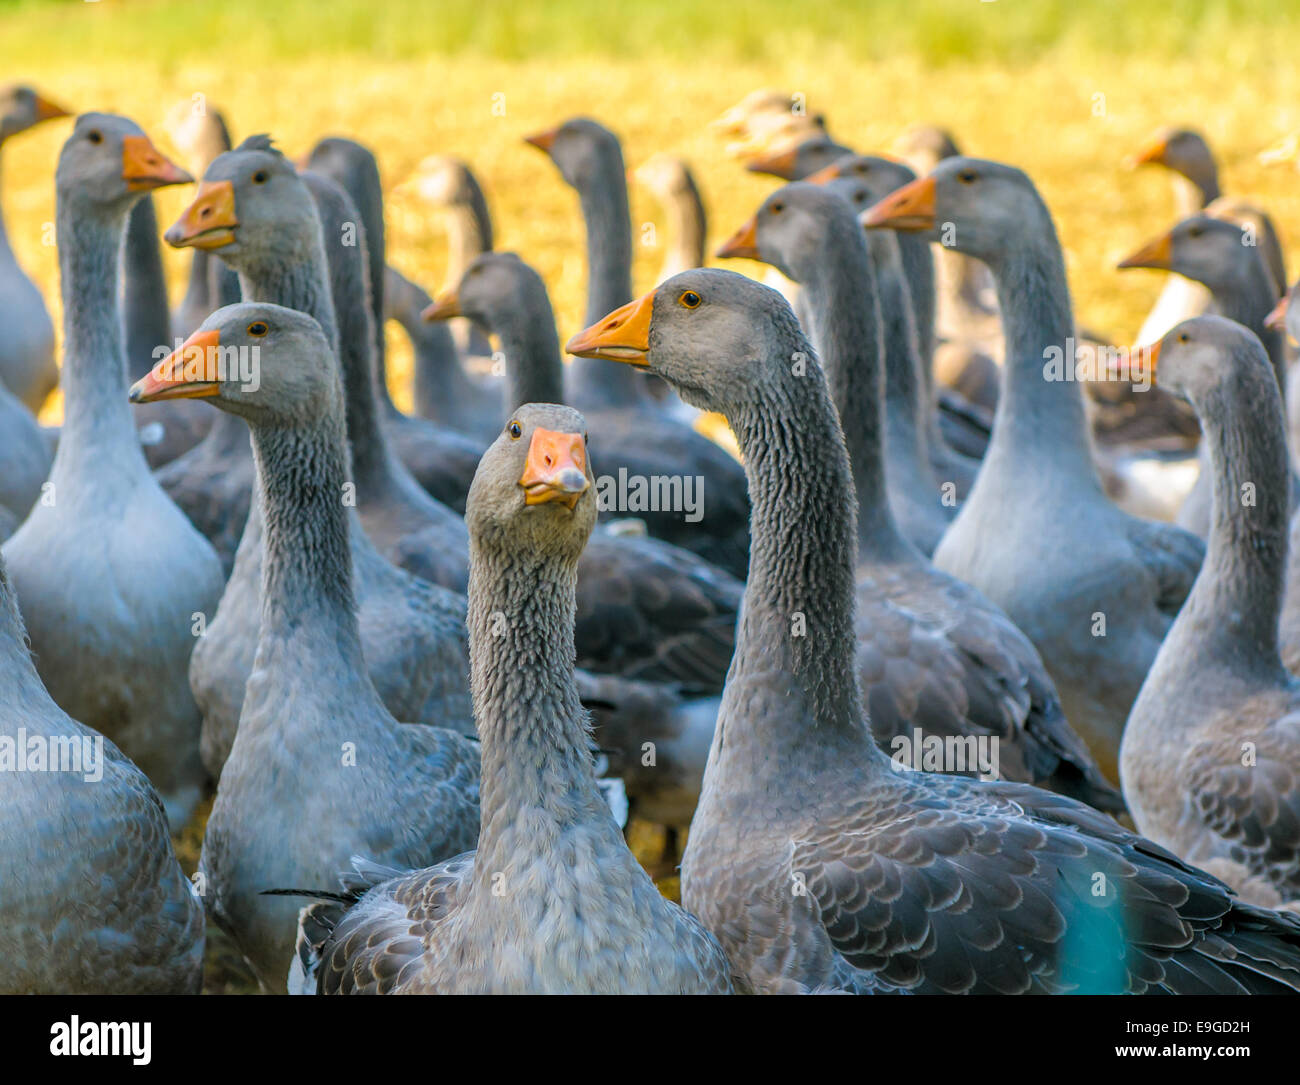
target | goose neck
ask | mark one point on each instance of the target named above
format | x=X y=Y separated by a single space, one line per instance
x=534 y=366
x=469 y=234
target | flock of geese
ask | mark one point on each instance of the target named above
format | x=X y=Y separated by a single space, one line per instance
x=411 y=651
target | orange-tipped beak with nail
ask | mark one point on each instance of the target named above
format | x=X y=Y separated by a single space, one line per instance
x=209 y=222
x=908 y=208
x=445 y=306
x=48 y=111
x=556 y=468
x=623 y=336
x=777 y=163
x=189 y=372
x=1131 y=367
x=543 y=140
x=1276 y=320
x=1152 y=153
x=1154 y=254
x=744 y=242
x=145 y=168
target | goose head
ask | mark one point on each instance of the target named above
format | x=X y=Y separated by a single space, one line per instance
x=924 y=146
x=1182 y=150
x=664 y=175
x=347 y=163
x=109 y=162
x=197 y=130
x=269 y=364
x=1286 y=314
x=496 y=287
x=582 y=150
x=873 y=176
x=534 y=484
x=22 y=108
x=1202 y=355
x=792 y=228
x=797 y=161
x=715 y=336
x=1209 y=250
x=246 y=208
x=442 y=180
x=977 y=207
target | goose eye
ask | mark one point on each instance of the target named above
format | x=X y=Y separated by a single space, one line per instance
x=1195 y=231
x=515 y=430
x=260 y=177
x=1183 y=337
x=862 y=169
x=690 y=299
x=777 y=208
x=967 y=177
x=95 y=136
x=258 y=328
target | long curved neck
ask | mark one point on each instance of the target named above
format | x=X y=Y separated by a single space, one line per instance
x=439 y=376
x=1235 y=602
x=1248 y=297
x=687 y=228
x=469 y=233
x=797 y=616
x=146 y=318
x=609 y=285
x=532 y=727
x=845 y=309
x=97 y=414
x=1192 y=194
x=1040 y=416
x=534 y=367
x=918 y=269
x=308 y=608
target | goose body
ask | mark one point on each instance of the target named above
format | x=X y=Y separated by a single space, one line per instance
x=819 y=866
x=112 y=620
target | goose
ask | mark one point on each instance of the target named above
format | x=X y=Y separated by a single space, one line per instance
x=590 y=160
x=27 y=366
x=1211 y=754
x=1286 y=316
x=93 y=899
x=550 y=900
x=442 y=391
x=1217 y=255
x=447 y=183
x=669 y=179
x=797 y=161
x=933 y=653
x=765 y=119
x=817 y=865
x=26 y=456
x=319 y=769
x=1187 y=155
x=441 y=460
x=1018 y=536
x=111 y=578
x=273 y=235
x=646 y=609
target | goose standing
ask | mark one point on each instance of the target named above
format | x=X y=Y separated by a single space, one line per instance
x=1211 y=752
x=254 y=207
x=816 y=864
x=92 y=897
x=1021 y=535
x=590 y=160
x=111 y=578
x=551 y=900
x=319 y=769
x=27 y=367
x=1218 y=255
x=933 y=653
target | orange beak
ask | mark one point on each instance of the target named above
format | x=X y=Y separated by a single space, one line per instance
x=826 y=173
x=48 y=111
x=744 y=242
x=779 y=163
x=209 y=222
x=1154 y=254
x=543 y=140
x=445 y=306
x=908 y=208
x=556 y=468
x=1151 y=153
x=1277 y=318
x=189 y=372
x=1130 y=367
x=145 y=168
x=623 y=336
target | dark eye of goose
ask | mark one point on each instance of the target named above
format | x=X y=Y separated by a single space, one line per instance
x=777 y=208
x=95 y=136
x=862 y=168
x=515 y=430
x=1194 y=231
x=1183 y=337
x=690 y=299
x=258 y=328
x=260 y=177
x=967 y=177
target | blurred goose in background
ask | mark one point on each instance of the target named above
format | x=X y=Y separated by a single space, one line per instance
x=319 y=770
x=92 y=897
x=817 y=865
x=27 y=367
x=764 y=120
x=1211 y=753
x=670 y=181
x=113 y=582
x=551 y=900
x=933 y=653
x=1018 y=535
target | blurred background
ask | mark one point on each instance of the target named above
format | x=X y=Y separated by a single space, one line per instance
x=1062 y=88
